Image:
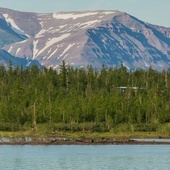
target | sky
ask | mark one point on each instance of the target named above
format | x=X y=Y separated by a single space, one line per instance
x=153 y=11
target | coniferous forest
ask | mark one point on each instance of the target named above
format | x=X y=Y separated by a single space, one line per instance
x=84 y=99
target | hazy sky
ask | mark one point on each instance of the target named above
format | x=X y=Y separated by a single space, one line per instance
x=152 y=11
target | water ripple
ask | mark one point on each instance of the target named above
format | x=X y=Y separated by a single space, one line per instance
x=117 y=157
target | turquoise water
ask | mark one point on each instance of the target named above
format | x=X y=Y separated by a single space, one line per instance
x=72 y=157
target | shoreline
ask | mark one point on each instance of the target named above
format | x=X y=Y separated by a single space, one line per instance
x=65 y=141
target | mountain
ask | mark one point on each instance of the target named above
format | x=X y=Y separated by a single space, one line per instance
x=96 y=38
x=5 y=58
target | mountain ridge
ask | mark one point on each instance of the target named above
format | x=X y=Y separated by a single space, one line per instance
x=6 y=58
x=82 y=38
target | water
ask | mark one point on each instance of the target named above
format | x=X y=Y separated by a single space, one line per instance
x=72 y=157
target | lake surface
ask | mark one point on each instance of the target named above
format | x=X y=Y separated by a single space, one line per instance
x=75 y=157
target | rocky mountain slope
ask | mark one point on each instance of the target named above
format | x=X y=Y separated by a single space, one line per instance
x=85 y=38
x=5 y=58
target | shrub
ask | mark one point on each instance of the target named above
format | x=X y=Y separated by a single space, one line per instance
x=123 y=128
x=145 y=127
x=75 y=127
x=10 y=127
x=164 y=129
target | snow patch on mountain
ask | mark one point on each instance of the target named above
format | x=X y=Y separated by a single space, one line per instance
x=21 y=42
x=10 y=49
x=108 y=12
x=52 y=53
x=89 y=23
x=62 y=26
x=56 y=66
x=72 y=15
x=67 y=48
x=43 y=31
x=35 y=49
x=52 y=41
x=14 y=25
x=10 y=21
x=18 y=50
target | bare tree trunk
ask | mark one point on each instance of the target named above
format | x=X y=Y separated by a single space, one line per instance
x=34 y=119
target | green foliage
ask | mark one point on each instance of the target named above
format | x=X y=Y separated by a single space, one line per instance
x=125 y=128
x=84 y=99
x=164 y=129
x=77 y=127
x=145 y=127
x=11 y=127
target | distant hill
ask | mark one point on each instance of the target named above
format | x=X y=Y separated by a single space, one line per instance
x=5 y=58
x=96 y=38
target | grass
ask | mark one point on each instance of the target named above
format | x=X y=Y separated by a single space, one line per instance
x=45 y=131
x=83 y=135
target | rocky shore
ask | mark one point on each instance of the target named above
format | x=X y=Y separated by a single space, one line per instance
x=67 y=141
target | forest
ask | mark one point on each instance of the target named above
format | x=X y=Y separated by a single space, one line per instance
x=79 y=99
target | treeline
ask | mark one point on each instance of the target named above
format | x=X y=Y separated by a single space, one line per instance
x=75 y=96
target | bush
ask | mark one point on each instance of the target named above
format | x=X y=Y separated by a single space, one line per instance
x=10 y=127
x=123 y=128
x=164 y=129
x=145 y=127
x=75 y=127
